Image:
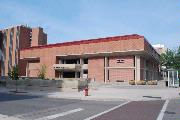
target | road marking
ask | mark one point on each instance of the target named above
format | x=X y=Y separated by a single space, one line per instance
x=6 y=117
x=3 y=116
x=92 y=117
x=161 y=114
x=60 y=114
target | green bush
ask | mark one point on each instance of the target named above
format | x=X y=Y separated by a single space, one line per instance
x=42 y=72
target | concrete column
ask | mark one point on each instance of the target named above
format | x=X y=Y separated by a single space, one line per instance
x=64 y=61
x=61 y=74
x=105 y=69
x=75 y=74
x=81 y=71
x=60 y=61
x=144 y=69
x=27 y=69
x=137 y=67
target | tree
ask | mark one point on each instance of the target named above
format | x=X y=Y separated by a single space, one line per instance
x=168 y=59
x=171 y=59
x=14 y=75
x=42 y=72
x=177 y=60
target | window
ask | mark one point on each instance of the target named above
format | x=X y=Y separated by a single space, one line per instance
x=11 y=38
x=17 y=38
x=85 y=61
x=120 y=61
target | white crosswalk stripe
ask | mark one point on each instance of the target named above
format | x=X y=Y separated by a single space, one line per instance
x=60 y=114
x=6 y=117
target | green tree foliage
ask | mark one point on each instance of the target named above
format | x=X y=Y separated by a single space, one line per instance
x=167 y=59
x=171 y=59
x=177 y=59
x=14 y=73
x=42 y=72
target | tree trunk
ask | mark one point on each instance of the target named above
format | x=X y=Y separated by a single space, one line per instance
x=16 y=86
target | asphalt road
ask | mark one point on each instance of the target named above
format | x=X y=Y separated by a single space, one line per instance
x=136 y=110
x=34 y=107
x=26 y=107
x=173 y=110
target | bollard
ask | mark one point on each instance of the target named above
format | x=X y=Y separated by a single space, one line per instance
x=86 y=91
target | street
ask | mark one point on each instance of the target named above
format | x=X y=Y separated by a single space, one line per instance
x=24 y=107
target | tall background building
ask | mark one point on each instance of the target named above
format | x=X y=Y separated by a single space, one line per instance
x=13 y=39
x=160 y=48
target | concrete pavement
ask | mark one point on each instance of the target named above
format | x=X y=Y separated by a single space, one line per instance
x=134 y=93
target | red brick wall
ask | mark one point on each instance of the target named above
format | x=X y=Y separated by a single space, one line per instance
x=48 y=55
x=96 y=69
x=128 y=61
x=38 y=37
x=22 y=65
x=121 y=74
x=142 y=62
x=24 y=38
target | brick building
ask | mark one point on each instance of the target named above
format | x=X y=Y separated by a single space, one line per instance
x=128 y=57
x=13 y=39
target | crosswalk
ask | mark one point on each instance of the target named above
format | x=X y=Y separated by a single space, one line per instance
x=60 y=114
x=6 y=117
x=32 y=116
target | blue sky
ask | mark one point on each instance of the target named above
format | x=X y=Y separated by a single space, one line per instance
x=69 y=20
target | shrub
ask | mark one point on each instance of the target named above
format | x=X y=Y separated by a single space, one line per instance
x=42 y=72
x=152 y=82
x=132 y=82
x=141 y=82
x=14 y=74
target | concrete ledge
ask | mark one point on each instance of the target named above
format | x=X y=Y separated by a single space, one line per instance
x=45 y=85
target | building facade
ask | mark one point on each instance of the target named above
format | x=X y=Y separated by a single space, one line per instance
x=13 y=39
x=110 y=59
x=118 y=58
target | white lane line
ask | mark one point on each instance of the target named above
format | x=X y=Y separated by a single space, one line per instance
x=6 y=117
x=3 y=116
x=161 y=114
x=92 y=117
x=60 y=114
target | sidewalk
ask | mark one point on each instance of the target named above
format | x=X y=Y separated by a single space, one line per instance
x=110 y=93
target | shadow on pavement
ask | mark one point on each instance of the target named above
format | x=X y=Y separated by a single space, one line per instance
x=15 y=96
x=152 y=97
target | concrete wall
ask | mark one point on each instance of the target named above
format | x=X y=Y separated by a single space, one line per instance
x=39 y=84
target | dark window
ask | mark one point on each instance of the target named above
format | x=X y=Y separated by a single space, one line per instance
x=68 y=74
x=72 y=61
x=85 y=61
x=120 y=61
x=85 y=72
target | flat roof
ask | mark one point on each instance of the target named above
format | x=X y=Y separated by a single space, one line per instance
x=98 y=40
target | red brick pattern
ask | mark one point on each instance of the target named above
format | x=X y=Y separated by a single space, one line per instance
x=90 y=41
x=96 y=69
x=48 y=53
x=121 y=74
